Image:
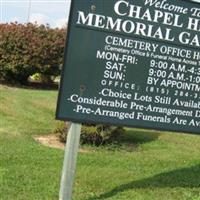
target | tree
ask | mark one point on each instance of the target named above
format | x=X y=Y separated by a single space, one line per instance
x=26 y=49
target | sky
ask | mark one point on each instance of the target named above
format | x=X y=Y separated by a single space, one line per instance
x=53 y=12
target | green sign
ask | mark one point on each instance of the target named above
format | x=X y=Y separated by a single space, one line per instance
x=133 y=63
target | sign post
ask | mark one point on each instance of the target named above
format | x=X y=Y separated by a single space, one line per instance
x=69 y=164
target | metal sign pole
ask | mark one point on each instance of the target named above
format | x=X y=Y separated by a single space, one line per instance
x=69 y=165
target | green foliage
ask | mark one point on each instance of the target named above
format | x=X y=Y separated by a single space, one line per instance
x=99 y=134
x=90 y=133
x=61 y=129
x=41 y=78
x=29 y=49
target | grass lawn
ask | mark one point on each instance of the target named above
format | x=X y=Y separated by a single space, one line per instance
x=163 y=166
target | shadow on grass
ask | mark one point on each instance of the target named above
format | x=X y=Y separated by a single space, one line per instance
x=185 y=178
x=139 y=136
x=32 y=86
x=132 y=138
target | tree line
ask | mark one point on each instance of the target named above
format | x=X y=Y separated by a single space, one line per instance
x=27 y=49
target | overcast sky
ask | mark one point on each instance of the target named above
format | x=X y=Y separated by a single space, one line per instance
x=53 y=12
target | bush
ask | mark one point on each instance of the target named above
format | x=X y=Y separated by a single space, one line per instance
x=91 y=134
x=61 y=130
x=40 y=78
x=28 y=49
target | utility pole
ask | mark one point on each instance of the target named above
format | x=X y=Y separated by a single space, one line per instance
x=29 y=11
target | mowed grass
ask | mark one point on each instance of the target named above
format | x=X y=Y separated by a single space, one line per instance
x=153 y=166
